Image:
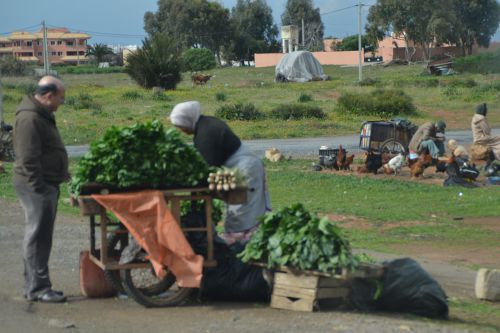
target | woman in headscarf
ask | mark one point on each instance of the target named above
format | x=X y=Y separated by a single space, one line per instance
x=219 y=146
x=481 y=131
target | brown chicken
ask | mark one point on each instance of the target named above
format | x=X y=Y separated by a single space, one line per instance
x=340 y=158
x=417 y=166
x=348 y=161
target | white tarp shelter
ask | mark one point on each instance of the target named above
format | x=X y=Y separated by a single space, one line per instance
x=299 y=66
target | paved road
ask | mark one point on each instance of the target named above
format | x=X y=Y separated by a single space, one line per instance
x=308 y=147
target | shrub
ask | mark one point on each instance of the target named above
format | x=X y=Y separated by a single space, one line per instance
x=369 y=82
x=83 y=101
x=220 y=97
x=11 y=66
x=194 y=60
x=381 y=103
x=11 y=98
x=239 y=111
x=303 y=98
x=132 y=95
x=27 y=88
x=155 y=64
x=161 y=96
x=297 y=111
x=465 y=83
x=482 y=63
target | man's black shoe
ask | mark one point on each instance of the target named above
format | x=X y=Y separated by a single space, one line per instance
x=51 y=296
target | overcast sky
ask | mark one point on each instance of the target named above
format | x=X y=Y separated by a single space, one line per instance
x=121 y=21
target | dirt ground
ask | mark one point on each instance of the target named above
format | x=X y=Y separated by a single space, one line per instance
x=81 y=314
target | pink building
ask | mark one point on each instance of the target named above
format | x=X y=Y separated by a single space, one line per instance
x=63 y=46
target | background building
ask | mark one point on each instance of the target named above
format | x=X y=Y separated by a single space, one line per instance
x=63 y=46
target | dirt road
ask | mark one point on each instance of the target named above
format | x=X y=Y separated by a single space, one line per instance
x=80 y=314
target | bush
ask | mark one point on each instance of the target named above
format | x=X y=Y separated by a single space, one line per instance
x=11 y=66
x=27 y=88
x=239 y=111
x=83 y=101
x=369 y=82
x=304 y=98
x=89 y=69
x=482 y=63
x=381 y=103
x=132 y=95
x=194 y=60
x=464 y=83
x=155 y=64
x=297 y=111
x=220 y=97
x=11 y=98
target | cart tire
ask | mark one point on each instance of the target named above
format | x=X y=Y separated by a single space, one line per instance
x=392 y=146
x=160 y=294
x=116 y=244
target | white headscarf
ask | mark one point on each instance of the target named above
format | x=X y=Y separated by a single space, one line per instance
x=186 y=115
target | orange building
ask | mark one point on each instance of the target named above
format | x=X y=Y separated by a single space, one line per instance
x=63 y=46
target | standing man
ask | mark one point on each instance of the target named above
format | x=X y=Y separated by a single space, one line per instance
x=41 y=164
x=426 y=139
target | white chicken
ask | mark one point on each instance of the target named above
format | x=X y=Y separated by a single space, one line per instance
x=396 y=163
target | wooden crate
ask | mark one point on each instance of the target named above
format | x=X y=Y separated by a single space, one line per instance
x=303 y=292
x=307 y=290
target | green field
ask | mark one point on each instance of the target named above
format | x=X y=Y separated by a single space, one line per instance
x=116 y=99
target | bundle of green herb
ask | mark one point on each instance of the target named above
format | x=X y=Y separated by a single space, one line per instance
x=142 y=155
x=294 y=237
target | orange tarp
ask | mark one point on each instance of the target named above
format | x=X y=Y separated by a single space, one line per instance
x=149 y=220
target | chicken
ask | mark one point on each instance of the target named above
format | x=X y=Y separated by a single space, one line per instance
x=330 y=162
x=348 y=161
x=418 y=165
x=340 y=159
x=373 y=162
x=395 y=164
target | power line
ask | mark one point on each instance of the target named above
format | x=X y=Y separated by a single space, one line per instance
x=31 y=27
x=337 y=10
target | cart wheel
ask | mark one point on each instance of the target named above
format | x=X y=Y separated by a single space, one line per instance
x=392 y=146
x=116 y=244
x=145 y=288
x=6 y=148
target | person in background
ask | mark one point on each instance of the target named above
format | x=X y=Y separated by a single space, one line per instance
x=426 y=139
x=219 y=146
x=481 y=131
x=41 y=164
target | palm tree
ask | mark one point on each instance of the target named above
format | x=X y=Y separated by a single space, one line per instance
x=99 y=51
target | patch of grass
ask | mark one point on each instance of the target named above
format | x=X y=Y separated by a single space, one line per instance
x=132 y=95
x=304 y=98
x=220 y=96
x=297 y=112
x=471 y=311
x=239 y=111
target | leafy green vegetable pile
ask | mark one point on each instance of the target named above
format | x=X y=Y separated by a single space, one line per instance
x=142 y=155
x=294 y=237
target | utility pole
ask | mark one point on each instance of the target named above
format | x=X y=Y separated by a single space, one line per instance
x=303 y=34
x=360 y=64
x=46 y=62
x=1 y=102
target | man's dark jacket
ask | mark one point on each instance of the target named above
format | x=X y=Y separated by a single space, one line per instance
x=41 y=157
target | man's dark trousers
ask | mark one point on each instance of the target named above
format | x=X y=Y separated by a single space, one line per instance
x=40 y=210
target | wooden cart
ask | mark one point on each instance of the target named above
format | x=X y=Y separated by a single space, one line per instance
x=137 y=278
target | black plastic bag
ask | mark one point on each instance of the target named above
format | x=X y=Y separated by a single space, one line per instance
x=233 y=280
x=407 y=287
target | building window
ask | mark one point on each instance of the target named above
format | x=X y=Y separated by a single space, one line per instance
x=38 y=42
x=68 y=43
x=71 y=53
x=39 y=54
x=82 y=41
x=59 y=42
x=52 y=42
x=53 y=53
x=82 y=53
x=17 y=43
x=29 y=43
x=59 y=54
x=2 y=45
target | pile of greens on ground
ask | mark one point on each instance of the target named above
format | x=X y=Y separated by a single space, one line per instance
x=142 y=155
x=294 y=237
